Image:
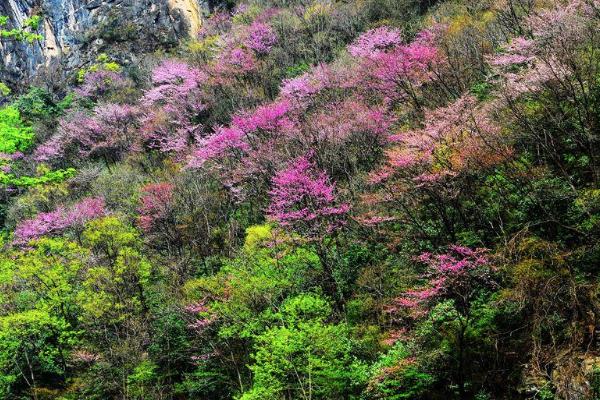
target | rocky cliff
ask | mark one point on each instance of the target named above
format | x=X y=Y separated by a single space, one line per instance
x=75 y=31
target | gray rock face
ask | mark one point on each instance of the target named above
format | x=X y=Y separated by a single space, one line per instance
x=76 y=31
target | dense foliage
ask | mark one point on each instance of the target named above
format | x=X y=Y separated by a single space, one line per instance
x=378 y=199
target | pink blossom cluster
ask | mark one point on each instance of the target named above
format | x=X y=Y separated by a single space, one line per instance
x=269 y=117
x=464 y=128
x=51 y=149
x=17 y=155
x=455 y=275
x=375 y=42
x=398 y=72
x=545 y=56
x=399 y=160
x=168 y=135
x=241 y=49
x=98 y=84
x=225 y=141
x=203 y=357
x=172 y=82
x=260 y=37
x=302 y=196
x=233 y=63
x=171 y=107
x=156 y=202
x=340 y=121
x=247 y=127
x=519 y=51
x=394 y=68
x=108 y=132
x=374 y=220
x=59 y=220
x=6 y=159
x=201 y=317
x=301 y=88
x=196 y=308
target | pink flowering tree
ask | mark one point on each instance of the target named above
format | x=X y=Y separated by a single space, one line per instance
x=157 y=215
x=459 y=277
x=155 y=205
x=59 y=220
x=376 y=42
x=172 y=107
x=272 y=117
x=108 y=133
x=226 y=142
x=201 y=322
x=553 y=65
x=101 y=84
x=173 y=81
x=232 y=64
x=395 y=69
x=556 y=35
x=200 y=316
x=348 y=136
x=245 y=154
x=260 y=37
x=304 y=199
x=454 y=141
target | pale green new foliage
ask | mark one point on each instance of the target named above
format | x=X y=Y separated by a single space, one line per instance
x=103 y=63
x=15 y=135
x=43 y=276
x=114 y=285
x=257 y=281
x=45 y=176
x=305 y=357
x=4 y=90
x=26 y=34
x=397 y=376
x=257 y=235
x=37 y=310
x=140 y=381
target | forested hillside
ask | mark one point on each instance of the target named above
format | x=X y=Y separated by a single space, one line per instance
x=309 y=199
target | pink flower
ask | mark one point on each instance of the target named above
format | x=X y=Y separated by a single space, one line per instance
x=340 y=122
x=59 y=220
x=173 y=82
x=375 y=41
x=303 y=198
x=101 y=83
x=300 y=89
x=155 y=205
x=454 y=275
x=223 y=142
x=171 y=107
x=261 y=38
x=270 y=117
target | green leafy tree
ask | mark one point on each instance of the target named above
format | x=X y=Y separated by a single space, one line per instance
x=15 y=135
x=32 y=349
x=38 y=320
x=397 y=375
x=114 y=288
x=39 y=105
x=305 y=357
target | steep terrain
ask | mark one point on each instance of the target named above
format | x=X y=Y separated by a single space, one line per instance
x=76 y=31
x=300 y=199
